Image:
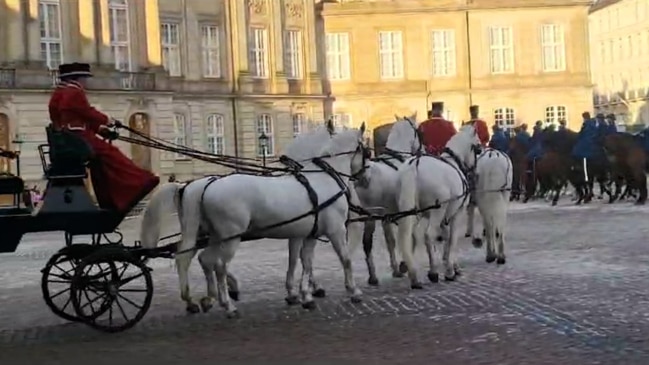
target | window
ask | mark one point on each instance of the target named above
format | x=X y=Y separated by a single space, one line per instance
x=391 y=55
x=444 y=53
x=265 y=126
x=501 y=50
x=299 y=124
x=180 y=133
x=119 y=34
x=170 y=38
x=553 y=45
x=259 y=53
x=215 y=134
x=553 y=114
x=293 y=55
x=49 y=16
x=338 y=61
x=211 y=48
x=342 y=121
x=505 y=118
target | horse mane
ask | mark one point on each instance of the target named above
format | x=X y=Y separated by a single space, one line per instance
x=306 y=145
x=340 y=142
x=401 y=128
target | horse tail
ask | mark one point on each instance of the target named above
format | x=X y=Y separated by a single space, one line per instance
x=407 y=203
x=165 y=200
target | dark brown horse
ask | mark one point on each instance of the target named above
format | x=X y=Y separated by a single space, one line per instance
x=553 y=170
x=628 y=162
x=518 y=155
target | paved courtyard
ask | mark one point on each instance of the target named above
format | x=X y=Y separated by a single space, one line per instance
x=574 y=291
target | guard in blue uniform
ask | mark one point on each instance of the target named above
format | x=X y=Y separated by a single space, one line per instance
x=586 y=145
x=499 y=140
x=536 y=147
x=522 y=137
x=612 y=125
x=562 y=125
x=602 y=126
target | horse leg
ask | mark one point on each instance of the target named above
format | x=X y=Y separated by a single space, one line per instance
x=431 y=234
x=339 y=242
x=641 y=183
x=406 y=244
x=449 y=248
x=470 y=214
x=368 y=242
x=306 y=256
x=294 y=247
x=183 y=261
x=207 y=259
x=389 y=235
x=225 y=253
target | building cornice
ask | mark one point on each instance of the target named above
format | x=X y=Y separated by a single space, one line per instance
x=602 y=4
x=360 y=7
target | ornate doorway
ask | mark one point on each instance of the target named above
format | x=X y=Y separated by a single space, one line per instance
x=141 y=155
x=5 y=142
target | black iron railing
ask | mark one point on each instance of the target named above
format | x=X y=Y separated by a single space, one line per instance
x=137 y=81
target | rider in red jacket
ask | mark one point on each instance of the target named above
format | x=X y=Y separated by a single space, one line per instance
x=479 y=125
x=118 y=183
x=436 y=131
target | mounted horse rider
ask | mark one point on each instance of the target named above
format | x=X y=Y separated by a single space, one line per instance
x=119 y=184
x=499 y=140
x=587 y=148
x=436 y=131
x=562 y=125
x=479 y=125
x=536 y=150
x=612 y=125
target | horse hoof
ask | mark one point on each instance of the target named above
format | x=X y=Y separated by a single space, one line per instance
x=193 y=308
x=501 y=261
x=490 y=259
x=416 y=286
x=206 y=304
x=319 y=293
x=449 y=278
x=554 y=203
x=309 y=305
x=373 y=281
x=355 y=299
x=433 y=277
x=477 y=242
x=234 y=295
x=233 y=314
x=403 y=268
x=458 y=272
x=398 y=274
x=640 y=202
x=292 y=300
x=467 y=235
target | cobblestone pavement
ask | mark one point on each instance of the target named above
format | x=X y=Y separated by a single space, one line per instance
x=573 y=291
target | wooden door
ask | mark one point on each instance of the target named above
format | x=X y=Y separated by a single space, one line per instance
x=141 y=155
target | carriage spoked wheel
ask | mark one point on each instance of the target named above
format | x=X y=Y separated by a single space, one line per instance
x=56 y=284
x=111 y=290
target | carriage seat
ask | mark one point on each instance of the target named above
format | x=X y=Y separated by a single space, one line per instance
x=69 y=154
x=11 y=184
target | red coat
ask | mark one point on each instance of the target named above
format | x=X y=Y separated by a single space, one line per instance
x=119 y=184
x=482 y=130
x=436 y=132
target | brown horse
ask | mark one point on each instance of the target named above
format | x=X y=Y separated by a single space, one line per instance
x=628 y=161
x=518 y=155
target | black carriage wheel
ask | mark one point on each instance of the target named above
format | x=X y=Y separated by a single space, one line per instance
x=111 y=291
x=56 y=283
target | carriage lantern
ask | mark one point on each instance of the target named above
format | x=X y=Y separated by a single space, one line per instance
x=263 y=143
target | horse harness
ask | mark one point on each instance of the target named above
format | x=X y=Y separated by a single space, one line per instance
x=297 y=170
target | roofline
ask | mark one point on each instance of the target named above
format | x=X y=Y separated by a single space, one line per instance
x=602 y=4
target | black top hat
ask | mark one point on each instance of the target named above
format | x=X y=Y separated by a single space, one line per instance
x=599 y=116
x=610 y=116
x=75 y=69
x=474 y=108
x=437 y=105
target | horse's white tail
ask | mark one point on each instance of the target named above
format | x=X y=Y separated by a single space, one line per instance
x=165 y=200
x=407 y=202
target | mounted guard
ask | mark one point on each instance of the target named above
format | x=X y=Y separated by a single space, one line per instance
x=119 y=184
x=479 y=124
x=436 y=131
x=499 y=140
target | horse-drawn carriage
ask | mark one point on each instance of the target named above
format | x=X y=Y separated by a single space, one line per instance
x=85 y=282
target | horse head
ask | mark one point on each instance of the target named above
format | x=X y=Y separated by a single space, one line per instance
x=404 y=136
x=466 y=145
x=348 y=144
x=307 y=145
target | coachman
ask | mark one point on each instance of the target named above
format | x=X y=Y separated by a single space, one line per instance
x=436 y=131
x=118 y=183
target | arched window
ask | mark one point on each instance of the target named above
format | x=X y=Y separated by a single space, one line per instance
x=215 y=134
x=265 y=126
x=180 y=132
x=505 y=118
x=554 y=114
x=299 y=124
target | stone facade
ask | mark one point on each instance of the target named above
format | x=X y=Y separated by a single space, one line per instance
x=522 y=89
x=163 y=77
x=619 y=38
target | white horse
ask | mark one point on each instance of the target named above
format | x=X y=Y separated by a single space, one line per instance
x=436 y=189
x=493 y=184
x=248 y=207
x=378 y=189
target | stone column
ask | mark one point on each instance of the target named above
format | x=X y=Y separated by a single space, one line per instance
x=152 y=22
x=87 y=32
x=15 y=26
x=33 y=43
